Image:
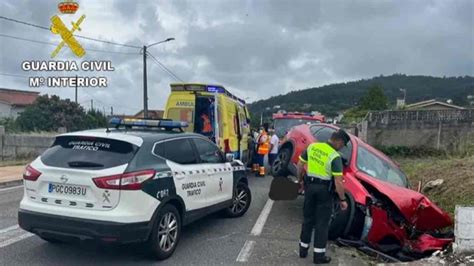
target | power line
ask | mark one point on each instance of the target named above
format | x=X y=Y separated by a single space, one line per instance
x=78 y=36
x=164 y=67
x=104 y=103
x=53 y=44
x=13 y=75
x=108 y=42
x=24 y=23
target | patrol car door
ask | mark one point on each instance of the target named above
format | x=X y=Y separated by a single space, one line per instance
x=190 y=178
x=219 y=172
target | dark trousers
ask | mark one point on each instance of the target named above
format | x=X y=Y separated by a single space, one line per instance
x=271 y=158
x=260 y=159
x=317 y=210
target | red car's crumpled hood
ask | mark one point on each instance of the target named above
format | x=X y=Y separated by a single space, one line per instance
x=414 y=206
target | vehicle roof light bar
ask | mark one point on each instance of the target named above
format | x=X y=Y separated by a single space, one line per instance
x=132 y=122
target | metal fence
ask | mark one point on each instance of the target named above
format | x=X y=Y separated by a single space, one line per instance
x=421 y=115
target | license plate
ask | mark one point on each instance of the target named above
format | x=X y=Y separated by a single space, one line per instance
x=67 y=189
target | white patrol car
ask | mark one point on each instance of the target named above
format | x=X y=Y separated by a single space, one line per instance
x=139 y=182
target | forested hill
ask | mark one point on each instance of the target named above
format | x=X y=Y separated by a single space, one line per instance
x=330 y=99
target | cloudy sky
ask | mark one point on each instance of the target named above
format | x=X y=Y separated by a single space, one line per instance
x=254 y=48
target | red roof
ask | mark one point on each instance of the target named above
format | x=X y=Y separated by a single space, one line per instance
x=17 y=97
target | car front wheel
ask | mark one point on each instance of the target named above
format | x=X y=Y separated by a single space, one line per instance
x=240 y=201
x=166 y=232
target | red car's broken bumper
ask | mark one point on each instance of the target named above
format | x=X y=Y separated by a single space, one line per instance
x=384 y=231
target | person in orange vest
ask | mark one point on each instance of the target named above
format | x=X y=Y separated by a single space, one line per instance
x=263 y=149
x=205 y=126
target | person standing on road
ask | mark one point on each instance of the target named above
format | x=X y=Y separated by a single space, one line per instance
x=274 y=142
x=324 y=174
x=254 y=145
x=263 y=149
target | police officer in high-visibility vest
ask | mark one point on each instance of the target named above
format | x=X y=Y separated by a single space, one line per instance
x=323 y=176
x=262 y=149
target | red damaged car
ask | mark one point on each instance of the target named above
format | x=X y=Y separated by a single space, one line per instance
x=383 y=211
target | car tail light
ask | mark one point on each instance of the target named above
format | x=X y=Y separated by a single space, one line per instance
x=226 y=146
x=134 y=180
x=125 y=181
x=31 y=173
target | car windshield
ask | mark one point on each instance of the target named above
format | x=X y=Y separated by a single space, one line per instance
x=282 y=126
x=379 y=168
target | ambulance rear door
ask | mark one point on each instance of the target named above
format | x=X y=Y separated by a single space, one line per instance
x=181 y=107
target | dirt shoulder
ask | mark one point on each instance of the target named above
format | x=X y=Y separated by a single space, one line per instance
x=457 y=175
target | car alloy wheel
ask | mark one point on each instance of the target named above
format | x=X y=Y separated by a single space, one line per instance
x=279 y=167
x=278 y=164
x=240 y=200
x=167 y=231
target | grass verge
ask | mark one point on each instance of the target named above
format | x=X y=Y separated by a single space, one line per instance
x=457 y=173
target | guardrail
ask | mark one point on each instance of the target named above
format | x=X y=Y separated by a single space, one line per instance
x=421 y=115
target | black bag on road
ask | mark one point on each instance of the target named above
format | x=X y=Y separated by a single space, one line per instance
x=283 y=188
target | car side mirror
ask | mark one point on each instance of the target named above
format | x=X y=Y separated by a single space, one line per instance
x=229 y=157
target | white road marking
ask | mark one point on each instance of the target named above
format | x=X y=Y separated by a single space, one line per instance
x=245 y=252
x=15 y=239
x=12 y=234
x=258 y=227
x=10 y=188
x=13 y=227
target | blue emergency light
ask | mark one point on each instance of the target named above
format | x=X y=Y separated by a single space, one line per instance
x=215 y=89
x=132 y=122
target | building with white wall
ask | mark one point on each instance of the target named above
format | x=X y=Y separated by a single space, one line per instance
x=13 y=102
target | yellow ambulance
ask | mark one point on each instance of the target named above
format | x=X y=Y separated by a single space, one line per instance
x=213 y=111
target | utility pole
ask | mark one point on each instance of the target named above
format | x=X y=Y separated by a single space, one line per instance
x=111 y=110
x=145 y=89
x=76 y=90
x=92 y=104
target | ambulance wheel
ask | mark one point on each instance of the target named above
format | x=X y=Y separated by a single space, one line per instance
x=280 y=165
x=240 y=201
x=166 y=232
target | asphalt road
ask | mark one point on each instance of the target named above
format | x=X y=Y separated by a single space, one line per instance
x=266 y=235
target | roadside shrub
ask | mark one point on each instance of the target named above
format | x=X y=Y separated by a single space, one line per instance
x=10 y=125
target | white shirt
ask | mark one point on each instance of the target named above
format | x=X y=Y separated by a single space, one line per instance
x=274 y=141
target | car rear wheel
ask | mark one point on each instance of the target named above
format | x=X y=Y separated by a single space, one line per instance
x=280 y=165
x=166 y=232
x=240 y=201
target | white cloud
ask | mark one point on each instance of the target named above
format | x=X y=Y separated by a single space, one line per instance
x=254 y=48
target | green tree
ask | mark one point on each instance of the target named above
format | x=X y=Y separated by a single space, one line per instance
x=48 y=113
x=95 y=119
x=374 y=99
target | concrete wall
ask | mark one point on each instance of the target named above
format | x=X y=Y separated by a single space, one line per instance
x=464 y=229
x=451 y=130
x=18 y=146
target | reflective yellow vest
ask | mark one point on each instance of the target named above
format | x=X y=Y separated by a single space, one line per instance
x=320 y=156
